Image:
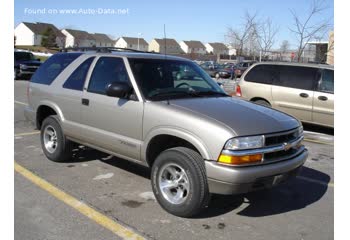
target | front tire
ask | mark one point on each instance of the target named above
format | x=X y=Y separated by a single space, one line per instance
x=179 y=182
x=53 y=142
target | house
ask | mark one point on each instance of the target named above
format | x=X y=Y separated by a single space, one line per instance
x=102 y=40
x=133 y=43
x=31 y=34
x=216 y=48
x=168 y=45
x=78 y=38
x=193 y=47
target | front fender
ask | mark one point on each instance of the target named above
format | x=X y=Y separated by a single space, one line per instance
x=176 y=132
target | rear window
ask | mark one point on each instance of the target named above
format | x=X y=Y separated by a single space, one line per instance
x=297 y=77
x=52 y=67
x=261 y=74
x=77 y=79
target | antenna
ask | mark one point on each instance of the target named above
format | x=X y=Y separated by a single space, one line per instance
x=164 y=41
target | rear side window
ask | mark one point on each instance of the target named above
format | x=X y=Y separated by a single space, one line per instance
x=327 y=82
x=77 y=79
x=107 y=70
x=261 y=74
x=297 y=77
x=52 y=67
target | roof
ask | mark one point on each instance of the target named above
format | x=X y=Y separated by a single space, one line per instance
x=194 y=44
x=297 y=64
x=134 y=41
x=80 y=34
x=39 y=28
x=169 y=42
x=218 y=46
x=101 y=37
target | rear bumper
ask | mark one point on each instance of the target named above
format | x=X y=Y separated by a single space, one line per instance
x=234 y=180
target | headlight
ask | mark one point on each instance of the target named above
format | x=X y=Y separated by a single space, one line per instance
x=22 y=66
x=241 y=143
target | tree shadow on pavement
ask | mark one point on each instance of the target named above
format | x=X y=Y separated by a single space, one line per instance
x=293 y=195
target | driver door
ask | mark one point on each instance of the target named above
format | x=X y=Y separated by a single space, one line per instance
x=111 y=123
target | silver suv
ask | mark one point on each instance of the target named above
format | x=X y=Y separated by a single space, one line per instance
x=197 y=139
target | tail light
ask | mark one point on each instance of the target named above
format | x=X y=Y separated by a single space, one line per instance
x=238 y=91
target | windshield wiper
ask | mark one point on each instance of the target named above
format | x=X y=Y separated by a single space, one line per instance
x=210 y=93
x=187 y=93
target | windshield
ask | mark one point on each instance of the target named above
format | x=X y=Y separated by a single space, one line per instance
x=161 y=79
x=24 y=56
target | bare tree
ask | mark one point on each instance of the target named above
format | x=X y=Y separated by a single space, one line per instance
x=305 y=30
x=284 y=46
x=266 y=35
x=240 y=37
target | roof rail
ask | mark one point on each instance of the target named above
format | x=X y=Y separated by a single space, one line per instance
x=101 y=49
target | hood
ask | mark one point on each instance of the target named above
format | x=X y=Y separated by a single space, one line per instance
x=28 y=62
x=243 y=117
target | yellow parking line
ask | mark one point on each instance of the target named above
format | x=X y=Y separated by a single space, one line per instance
x=92 y=214
x=316 y=181
x=26 y=134
x=21 y=103
x=315 y=141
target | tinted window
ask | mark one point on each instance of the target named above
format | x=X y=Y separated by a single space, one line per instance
x=107 y=70
x=52 y=67
x=297 y=77
x=77 y=79
x=327 y=82
x=24 y=56
x=261 y=74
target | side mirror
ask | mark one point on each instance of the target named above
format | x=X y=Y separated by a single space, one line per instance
x=118 y=89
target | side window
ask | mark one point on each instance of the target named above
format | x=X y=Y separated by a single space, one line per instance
x=77 y=79
x=52 y=67
x=261 y=74
x=297 y=77
x=327 y=81
x=107 y=70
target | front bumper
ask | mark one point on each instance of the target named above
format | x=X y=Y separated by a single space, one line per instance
x=225 y=179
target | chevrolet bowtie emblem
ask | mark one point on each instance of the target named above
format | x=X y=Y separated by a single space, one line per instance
x=287 y=146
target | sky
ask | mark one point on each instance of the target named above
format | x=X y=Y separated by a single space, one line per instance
x=206 y=21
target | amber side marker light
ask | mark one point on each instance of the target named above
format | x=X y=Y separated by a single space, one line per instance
x=240 y=159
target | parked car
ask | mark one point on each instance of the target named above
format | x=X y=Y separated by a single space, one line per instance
x=241 y=67
x=216 y=71
x=25 y=64
x=305 y=91
x=131 y=105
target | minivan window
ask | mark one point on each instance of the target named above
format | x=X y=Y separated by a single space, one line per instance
x=77 y=79
x=261 y=74
x=52 y=67
x=297 y=77
x=107 y=70
x=327 y=81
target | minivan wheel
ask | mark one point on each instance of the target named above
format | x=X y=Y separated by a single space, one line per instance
x=53 y=142
x=263 y=103
x=179 y=182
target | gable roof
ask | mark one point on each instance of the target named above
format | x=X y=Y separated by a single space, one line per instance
x=194 y=44
x=101 y=37
x=80 y=34
x=218 y=46
x=39 y=28
x=169 y=42
x=134 y=41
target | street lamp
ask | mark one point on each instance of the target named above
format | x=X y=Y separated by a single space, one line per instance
x=138 y=40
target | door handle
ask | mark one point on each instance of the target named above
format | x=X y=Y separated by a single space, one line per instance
x=323 y=98
x=85 y=101
x=304 y=95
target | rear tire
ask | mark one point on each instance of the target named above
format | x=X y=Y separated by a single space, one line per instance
x=263 y=103
x=53 y=142
x=179 y=182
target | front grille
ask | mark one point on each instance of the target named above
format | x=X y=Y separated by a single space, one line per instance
x=280 y=139
x=280 y=155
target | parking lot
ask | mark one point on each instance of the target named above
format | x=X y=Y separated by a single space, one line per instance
x=115 y=189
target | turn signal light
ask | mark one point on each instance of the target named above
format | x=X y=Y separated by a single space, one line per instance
x=240 y=159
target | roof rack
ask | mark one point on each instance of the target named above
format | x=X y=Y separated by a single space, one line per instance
x=101 y=49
